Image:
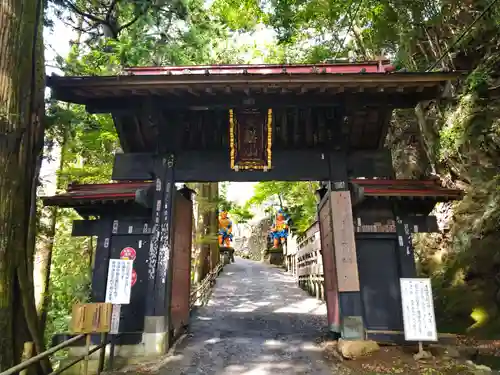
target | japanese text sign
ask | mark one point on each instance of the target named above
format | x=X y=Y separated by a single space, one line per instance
x=119 y=283
x=418 y=309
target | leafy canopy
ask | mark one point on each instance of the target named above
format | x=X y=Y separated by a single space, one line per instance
x=296 y=198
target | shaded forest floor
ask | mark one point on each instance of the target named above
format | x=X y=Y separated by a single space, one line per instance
x=477 y=357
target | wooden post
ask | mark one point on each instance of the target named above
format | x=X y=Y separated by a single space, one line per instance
x=101 y=262
x=329 y=268
x=344 y=244
x=86 y=359
x=27 y=354
x=102 y=353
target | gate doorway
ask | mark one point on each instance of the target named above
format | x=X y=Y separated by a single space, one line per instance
x=254 y=123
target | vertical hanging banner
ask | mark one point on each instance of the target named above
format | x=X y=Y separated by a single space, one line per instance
x=250 y=138
x=115 y=320
x=418 y=309
x=119 y=284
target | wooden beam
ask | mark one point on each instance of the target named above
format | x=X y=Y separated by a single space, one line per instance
x=138 y=81
x=86 y=228
x=225 y=101
x=292 y=165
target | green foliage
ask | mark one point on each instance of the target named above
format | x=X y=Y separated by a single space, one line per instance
x=296 y=198
x=239 y=214
x=70 y=274
x=241 y=15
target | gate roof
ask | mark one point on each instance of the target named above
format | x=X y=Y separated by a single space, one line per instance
x=147 y=101
x=199 y=84
x=99 y=194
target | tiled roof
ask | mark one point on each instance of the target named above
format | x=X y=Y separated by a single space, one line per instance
x=78 y=195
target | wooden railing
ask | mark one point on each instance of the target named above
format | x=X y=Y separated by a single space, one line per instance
x=20 y=368
x=200 y=295
x=310 y=264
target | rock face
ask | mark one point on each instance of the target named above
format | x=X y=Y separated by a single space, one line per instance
x=254 y=242
x=352 y=349
x=478 y=369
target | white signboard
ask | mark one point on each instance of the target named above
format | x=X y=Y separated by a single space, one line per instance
x=119 y=281
x=418 y=310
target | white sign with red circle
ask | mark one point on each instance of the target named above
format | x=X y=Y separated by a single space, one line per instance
x=134 y=277
x=128 y=253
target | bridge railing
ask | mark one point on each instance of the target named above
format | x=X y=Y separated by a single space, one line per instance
x=310 y=264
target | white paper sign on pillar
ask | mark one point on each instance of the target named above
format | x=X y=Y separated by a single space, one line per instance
x=418 y=309
x=119 y=283
x=115 y=320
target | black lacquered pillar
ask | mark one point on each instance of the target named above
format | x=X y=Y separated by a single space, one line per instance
x=159 y=291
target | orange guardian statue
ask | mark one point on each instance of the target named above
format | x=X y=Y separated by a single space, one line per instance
x=279 y=230
x=225 y=230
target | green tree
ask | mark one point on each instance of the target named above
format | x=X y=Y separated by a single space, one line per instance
x=296 y=198
x=239 y=214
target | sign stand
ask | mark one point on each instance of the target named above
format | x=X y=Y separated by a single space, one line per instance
x=115 y=329
x=91 y=318
x=118 y=291
x=418 y=313
x=86 y=360
x=105 y=317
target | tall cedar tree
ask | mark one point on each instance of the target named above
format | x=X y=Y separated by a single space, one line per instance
x=21 y=142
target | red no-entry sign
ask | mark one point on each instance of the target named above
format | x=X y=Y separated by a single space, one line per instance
x=128 y=253
x=134 y=277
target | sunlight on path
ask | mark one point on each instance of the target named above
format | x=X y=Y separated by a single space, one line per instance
x=258 y=322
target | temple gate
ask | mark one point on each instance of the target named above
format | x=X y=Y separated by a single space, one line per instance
x=248 y=123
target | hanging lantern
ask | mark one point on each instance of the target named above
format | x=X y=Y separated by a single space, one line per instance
x=250 y=138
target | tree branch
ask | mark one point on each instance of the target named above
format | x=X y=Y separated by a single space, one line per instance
x=130 y=23
x=110 y=10
x=75 y=9
x=84 y=30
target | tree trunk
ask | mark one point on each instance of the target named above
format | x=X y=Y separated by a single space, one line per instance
x=202 y=247
x=43 y=261
x=213 y=226
x=48 y=221
x=44 y=247
x=21 y=142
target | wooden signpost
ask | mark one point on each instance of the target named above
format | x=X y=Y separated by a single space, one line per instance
x=103 y=318
x=91 y=318
x=88 y=318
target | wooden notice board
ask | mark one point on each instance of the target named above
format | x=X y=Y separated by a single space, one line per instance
x=344 y=242
x=91 y=317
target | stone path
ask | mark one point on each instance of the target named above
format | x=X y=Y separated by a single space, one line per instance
x=258 y=322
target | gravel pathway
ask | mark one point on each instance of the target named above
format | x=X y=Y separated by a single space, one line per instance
x=257 y=322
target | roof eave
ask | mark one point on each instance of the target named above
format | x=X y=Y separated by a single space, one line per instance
x=55 y=81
